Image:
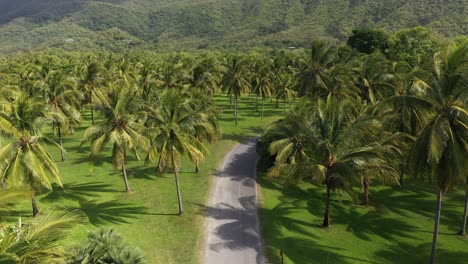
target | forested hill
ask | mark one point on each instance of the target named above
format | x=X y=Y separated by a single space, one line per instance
x=118 y=24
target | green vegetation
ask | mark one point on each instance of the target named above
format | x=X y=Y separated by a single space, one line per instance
x=373 y=119
x=396 y=228
x=341 y=120
x=119 y=25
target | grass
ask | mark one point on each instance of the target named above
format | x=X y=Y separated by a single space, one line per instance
x=396 y=228
x=147 y=218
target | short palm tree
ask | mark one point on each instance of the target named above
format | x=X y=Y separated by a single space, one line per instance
x=174 y=126
x=441 y=151
x=119 y=128
x=37 y=241
x=104 y=247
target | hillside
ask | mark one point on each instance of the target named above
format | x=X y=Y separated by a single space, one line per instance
x=165 y=24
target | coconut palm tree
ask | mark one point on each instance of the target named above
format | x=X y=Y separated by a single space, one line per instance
x=330 y=144
x=37 y=241
x=261 y=81
x=440 y=152
x=205 y=75
x=104 y=247
x=235 y=80
x=373 y=77
x=174 y=125
x=63 y=103
x=119 y=128
x=89 y=84
x=25 y=160
x=312 y=71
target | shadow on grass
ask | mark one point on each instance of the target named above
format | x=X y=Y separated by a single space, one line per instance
x=114 y=212
x=77 y=191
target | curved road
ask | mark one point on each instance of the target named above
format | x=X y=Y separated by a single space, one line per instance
x=231 y=229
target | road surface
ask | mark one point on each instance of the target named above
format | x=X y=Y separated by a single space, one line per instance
x=231 y=230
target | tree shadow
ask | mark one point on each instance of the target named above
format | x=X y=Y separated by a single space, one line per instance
x=143 y=172
x=114 y=212
x=240 y=164
x=240 y=227
x=363 y=226
x=77 y=191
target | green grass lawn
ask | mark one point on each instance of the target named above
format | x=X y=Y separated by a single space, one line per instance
x=396 y=228
x=146 y=218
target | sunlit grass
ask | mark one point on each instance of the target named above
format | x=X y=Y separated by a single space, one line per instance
x=148 y=217
x=396 y=228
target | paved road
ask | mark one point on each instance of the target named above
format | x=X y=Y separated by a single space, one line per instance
x=231 y=229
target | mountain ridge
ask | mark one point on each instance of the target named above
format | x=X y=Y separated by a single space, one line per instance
x=192 y=24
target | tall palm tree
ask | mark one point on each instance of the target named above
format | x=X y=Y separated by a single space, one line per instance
x=285 y=89
x=175 y=124
x=63 y=101
x=373 y=77
x=119 y=128
x=235 y=80
x=441 y=150
x=312 y=71
x=89 y=84
x=261 y=81
x=205 y=75
x=25 y=160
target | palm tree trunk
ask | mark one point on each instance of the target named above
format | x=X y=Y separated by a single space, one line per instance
x=236 y=110
x=365 y=186
x=284 y=106
x=34 y=204
x=124 y=172
x=230 y=100
x=62 y=153
x=256 y=104
x=197 y=169
x=277 y=102
x=465 y=214
x=92 y=115
x=263 y=102
x=402 y=171
x=436 y=227
x=326 y=219
x=179 y=196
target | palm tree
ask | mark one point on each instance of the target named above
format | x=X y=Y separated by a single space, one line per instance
x=261 y=81
x=408 y=111
x=89 y=83
x=373 y=77
x=37 y=241
x=235 y=80
x=63 y=101
x=284 y=89
x=205 y=75
x=312 y=71
x=329 y=143
x=105 y=247
x=175 y=124
x=119 y=128
x=25 y=160
x=441 y=149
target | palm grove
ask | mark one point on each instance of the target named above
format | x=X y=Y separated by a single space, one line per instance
x=350 y=118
